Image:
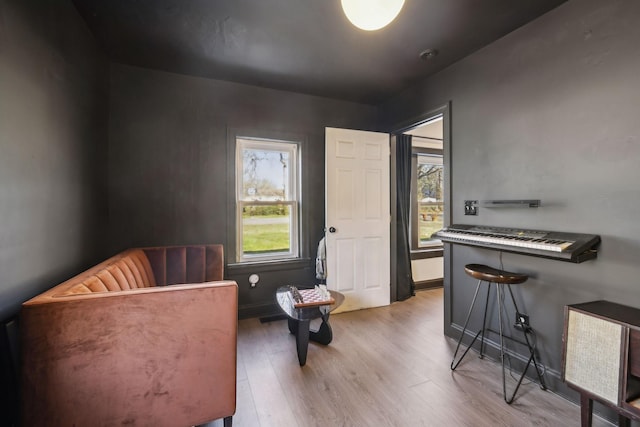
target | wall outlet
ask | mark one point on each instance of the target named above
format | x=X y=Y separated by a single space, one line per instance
x=522 y=322
x=253 y=280
x=471 y=207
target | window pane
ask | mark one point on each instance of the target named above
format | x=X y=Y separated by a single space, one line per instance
x=430 y=202
x=266 y=229
x=266 y=174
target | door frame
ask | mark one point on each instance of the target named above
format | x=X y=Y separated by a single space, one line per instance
x=445 y=111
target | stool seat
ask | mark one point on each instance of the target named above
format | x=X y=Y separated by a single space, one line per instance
x=490 y=274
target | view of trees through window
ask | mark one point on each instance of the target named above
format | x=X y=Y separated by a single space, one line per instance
x=267 y=198
x=430 y=192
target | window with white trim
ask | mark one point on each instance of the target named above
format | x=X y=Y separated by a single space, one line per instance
x=428 y=204
x=267 y=199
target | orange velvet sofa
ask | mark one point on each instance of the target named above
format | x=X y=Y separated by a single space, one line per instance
x=114 y=346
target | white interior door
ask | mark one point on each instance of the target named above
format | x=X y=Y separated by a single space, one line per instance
x=358 y=217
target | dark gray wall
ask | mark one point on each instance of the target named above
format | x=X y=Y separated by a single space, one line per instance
x=550 y=112
x=170 y=176
x=53 y=145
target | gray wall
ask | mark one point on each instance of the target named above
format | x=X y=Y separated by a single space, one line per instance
x=53 y=142
x=171 y=176
x=550 y=112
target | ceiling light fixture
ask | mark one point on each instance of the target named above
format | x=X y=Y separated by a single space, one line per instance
x=371 y=15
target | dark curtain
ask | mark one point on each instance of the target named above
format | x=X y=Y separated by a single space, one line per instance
x=404 y=279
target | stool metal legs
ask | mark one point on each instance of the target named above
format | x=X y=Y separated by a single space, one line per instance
x=532 y=358
x=464 y=329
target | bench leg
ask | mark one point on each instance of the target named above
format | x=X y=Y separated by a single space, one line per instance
x=623 y=421
x=228 y=421
x=586 y=410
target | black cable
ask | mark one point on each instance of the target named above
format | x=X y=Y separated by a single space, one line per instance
x=529 y=331
x=533 y=349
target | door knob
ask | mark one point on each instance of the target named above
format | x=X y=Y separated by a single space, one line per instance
x=332 y=229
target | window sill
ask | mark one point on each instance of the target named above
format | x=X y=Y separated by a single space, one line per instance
x=275 y=265
x=425 y=253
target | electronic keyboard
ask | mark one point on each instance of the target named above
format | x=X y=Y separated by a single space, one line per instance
x=571 y=247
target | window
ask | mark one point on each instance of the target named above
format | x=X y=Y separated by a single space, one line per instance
x=267 y=199
x=427 y=186
x=429 y=203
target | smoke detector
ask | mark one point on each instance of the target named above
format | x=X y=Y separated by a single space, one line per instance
x=428 y=54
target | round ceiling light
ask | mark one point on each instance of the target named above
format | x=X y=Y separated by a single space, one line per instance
x=371 y=15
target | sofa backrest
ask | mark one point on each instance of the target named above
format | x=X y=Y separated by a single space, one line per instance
x=186 y=264
x=129 y=270
x=146 y=267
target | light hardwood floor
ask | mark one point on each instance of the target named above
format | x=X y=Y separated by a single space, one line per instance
x=385 y=367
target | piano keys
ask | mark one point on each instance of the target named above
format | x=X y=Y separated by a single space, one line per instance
x=570 y=247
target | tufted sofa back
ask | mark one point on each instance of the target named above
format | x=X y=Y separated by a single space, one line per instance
x=147 y=267
x=186 y=264
x=129 y=270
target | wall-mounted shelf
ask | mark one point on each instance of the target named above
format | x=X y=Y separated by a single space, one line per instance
x=516 y=203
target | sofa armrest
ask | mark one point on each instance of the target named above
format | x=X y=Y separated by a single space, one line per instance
x=160 y=356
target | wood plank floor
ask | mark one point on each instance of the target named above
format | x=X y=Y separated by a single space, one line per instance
x=385 y=367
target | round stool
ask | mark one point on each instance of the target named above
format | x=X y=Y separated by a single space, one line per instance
x=489 y=275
